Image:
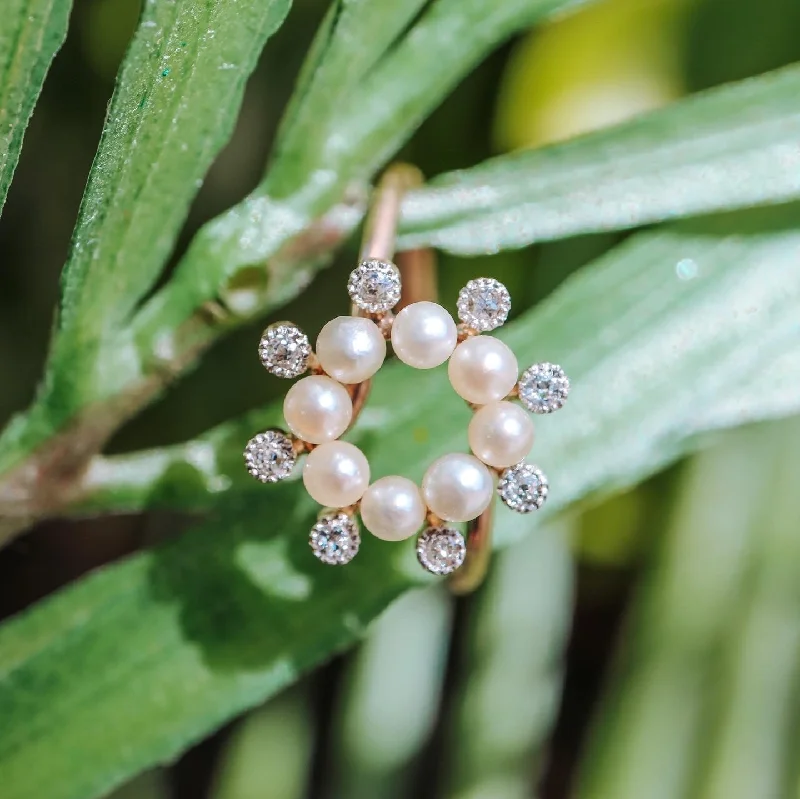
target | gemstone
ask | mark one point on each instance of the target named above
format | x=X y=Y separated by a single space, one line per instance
x=335 y=539
x=270 y=456
x=375 y=286
x=543 y=388
x=484 y=304
x=441 y=550
x=523 y=488
x=284 y=350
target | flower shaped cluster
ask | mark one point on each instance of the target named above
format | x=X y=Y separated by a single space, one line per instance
x=321 y=407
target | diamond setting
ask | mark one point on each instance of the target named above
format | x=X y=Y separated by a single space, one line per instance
x=284 y=350
x=441 y=550
x=335 y=539
x=375 y=286
x=484 y=304
x=543 y=388
x=523 y=488
x=270 y=456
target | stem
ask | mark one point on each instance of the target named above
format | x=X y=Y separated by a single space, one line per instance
x=52 y=476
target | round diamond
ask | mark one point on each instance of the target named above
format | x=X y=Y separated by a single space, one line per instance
x=375 y=286
x=543 y=388
x=284 y=350
x=484 y=304
x=441 y=550
x=335 y=539
x=270 y=456
x=523 y=488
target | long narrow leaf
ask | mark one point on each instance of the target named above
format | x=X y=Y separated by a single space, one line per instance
x=648 y=737
x=677 y=329
x=750 y=743
x=31 y=33
x=174 y=107
x=307 y=180
x=513 y=672
x=728 y=148
x=354 y=37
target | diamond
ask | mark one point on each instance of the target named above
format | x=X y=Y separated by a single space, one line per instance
x=375 y=286
x=270 y=456
x=543 y=388
x=284 y=350
x=484 y=304
x=441 y=550
x=523 y=488
x=335 y=539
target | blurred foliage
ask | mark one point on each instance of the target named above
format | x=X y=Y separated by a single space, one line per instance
x=624 y=58
x=695 y=696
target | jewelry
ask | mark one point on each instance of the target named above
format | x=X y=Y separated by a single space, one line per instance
x=391 y=303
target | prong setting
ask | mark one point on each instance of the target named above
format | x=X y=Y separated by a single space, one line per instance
x=523 y=488
x=270 y=456
x=441 y=550
x=335 y=538
x=543 y=388
x=284 y=350
x=375 y=286
x=484 y=304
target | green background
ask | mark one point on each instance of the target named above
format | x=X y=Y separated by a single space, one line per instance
x=643 y=643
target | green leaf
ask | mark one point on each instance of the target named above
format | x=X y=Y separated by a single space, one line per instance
x=184 y=637
x=175 y=642
x=647 y=740
x=449 y=40
x=175 y=105
x=680 y=329
x=273 y=747
x=381 y=734
x=177 y=97
x=512 y=674
x=30 y=36
x=352 y=39
x=752 y=736
x=716 y=622
x=300 y=203
x=729 y=148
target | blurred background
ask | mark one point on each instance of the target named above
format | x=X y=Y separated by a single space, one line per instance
x=642 y=647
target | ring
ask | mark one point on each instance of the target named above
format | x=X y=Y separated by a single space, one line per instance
x=395 y=303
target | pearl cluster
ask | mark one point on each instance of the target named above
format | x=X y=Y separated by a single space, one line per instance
x=319 y=409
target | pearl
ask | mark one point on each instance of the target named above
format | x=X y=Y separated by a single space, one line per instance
x=351 y=349
x=336 y=474
x=501 y=434
x=318 y=409
x=458 y=488
x=424 y=335
x=392 y=509
x=483 y=370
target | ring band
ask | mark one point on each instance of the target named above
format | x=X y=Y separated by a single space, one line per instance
x=419 y=279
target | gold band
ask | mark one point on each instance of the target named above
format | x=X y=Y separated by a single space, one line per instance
x=418 y=274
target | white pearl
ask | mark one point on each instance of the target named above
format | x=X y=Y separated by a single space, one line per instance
x=336 y=474
x=458 y=488
x=318 y=409
x=501 y=434
x=392 y=508
x=424 y=335
x=351 y=349
x=483 y=370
